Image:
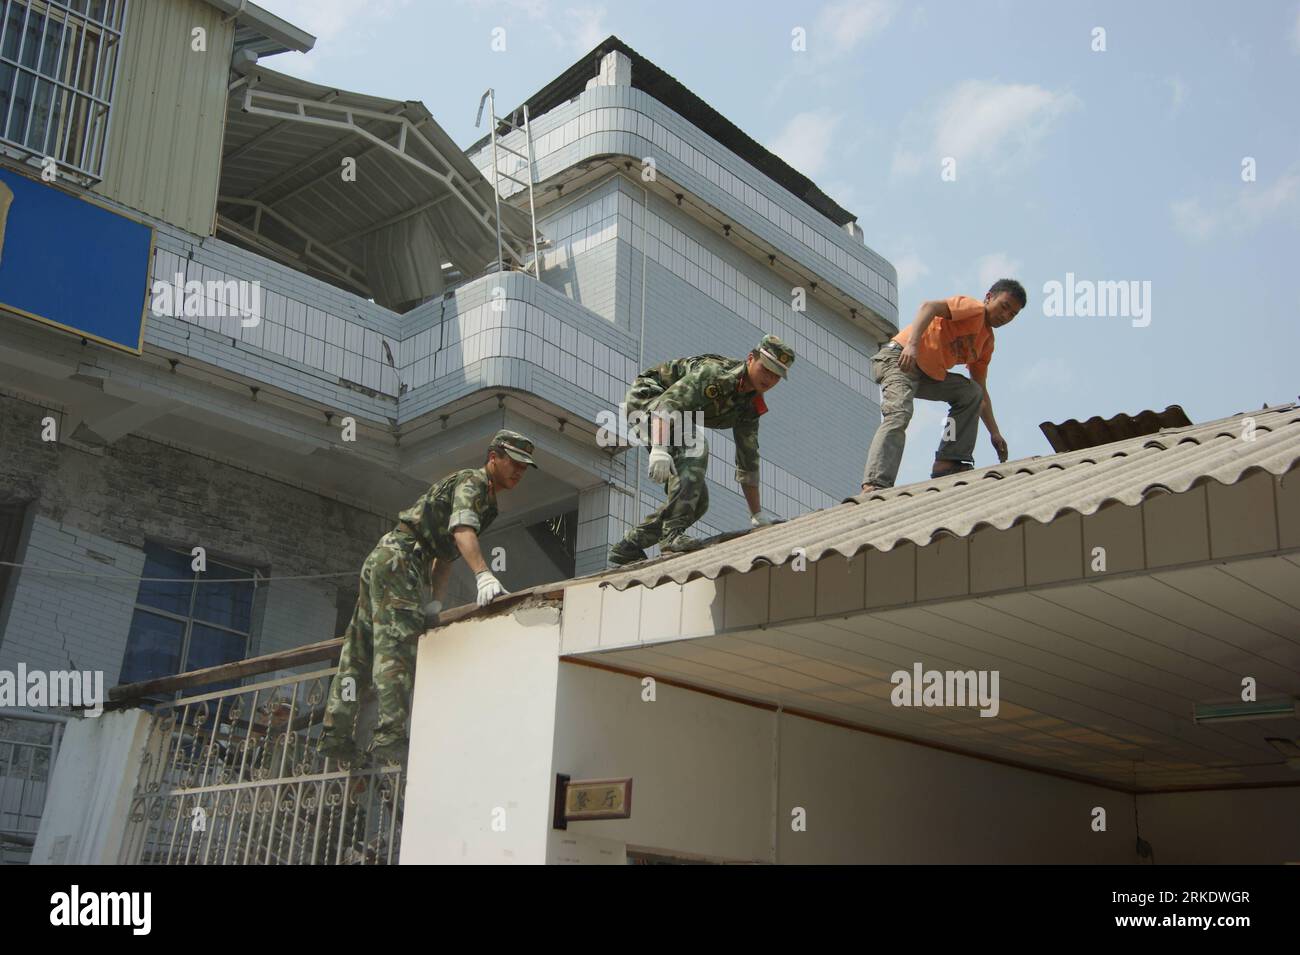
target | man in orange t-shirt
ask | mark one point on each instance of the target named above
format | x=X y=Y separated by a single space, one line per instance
x=946 y=332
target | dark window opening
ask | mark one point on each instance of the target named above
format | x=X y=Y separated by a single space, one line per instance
x=186 y=620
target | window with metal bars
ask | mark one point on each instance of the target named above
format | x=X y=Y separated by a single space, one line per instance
x=12 y=514
x=186 y=620
x=58 y=68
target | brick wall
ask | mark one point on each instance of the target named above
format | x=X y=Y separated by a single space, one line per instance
x=94 y=513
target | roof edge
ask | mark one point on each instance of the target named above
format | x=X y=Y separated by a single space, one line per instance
x=645 y=75
x=273 y=27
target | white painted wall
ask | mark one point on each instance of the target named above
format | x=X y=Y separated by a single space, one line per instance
x=482 y=724
x=703 y=771
x=89 y=795
x=701 y=767
x=1246 y=826
x=873 y=799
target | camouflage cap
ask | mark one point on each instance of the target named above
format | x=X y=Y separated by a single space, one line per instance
x=776 y=355
x=514 y=444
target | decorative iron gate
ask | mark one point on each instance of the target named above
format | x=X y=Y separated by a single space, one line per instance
x=234 y=777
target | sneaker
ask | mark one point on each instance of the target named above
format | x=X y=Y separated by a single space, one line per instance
x=339 y=750
x=679 y=543
x=625 y=552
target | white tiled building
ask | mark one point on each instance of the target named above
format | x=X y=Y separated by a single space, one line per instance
x=378 y=307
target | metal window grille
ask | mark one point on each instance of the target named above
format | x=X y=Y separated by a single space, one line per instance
x=29 y=746
x=191 y=623
x=58 y=69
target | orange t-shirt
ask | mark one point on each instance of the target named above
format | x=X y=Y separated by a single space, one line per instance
x=963 y=339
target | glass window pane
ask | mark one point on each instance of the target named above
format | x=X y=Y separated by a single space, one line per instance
x=13 y=30
x=69 y=48
x=209 y=647
x=57 y=109
x=50 y=47
x=173 y=597
x=37 y=131
x=153 y=648
x=227 y=604
x=22 y=98
x=85 y=78
x=32 y=40
x=7 y=80
x=74 y=131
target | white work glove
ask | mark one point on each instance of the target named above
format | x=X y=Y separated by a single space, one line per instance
x=488 y=588
x=661 y=465
x=760 y=518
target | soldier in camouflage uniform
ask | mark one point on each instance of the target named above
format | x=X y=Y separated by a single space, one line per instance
x=380 y=643
x=729 y=393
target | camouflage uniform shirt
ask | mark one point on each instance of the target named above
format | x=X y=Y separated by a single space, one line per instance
x=462 y=499
x=707 y=383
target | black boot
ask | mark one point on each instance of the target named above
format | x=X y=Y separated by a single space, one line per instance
x=625 y=552
x=679 y=543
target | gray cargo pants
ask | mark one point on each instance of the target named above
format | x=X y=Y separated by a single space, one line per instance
x=897 y=391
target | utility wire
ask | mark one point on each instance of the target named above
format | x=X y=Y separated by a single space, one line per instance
x=172 y=580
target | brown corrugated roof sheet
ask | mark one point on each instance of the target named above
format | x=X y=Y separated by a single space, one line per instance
x=1075 y=435
x=1038 y=488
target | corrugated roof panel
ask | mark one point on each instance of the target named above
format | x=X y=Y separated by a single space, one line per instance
x=1074 y=435
x=1038 y=488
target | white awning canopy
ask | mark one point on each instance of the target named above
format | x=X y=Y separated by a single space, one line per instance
x=414 y=203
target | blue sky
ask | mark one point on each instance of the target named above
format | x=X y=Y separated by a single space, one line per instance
x=1122 y=165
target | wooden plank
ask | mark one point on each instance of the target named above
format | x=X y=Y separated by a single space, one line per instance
x=325 y=650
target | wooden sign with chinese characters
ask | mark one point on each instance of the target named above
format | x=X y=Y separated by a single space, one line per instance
x=585 y=799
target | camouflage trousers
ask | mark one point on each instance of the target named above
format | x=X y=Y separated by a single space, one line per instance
x=380 y=643
x=688 y=497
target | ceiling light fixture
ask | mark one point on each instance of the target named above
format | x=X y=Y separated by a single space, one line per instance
x=1234 y=712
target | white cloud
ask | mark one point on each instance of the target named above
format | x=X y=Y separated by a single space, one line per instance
x=1177 y=92
x=1191 y=219
x=806 y=139
x=842 y=26
x=836 y=30
x=843 y=193
x=533 y=9
x=579 y=27
x=1257 y=202
x=984 y=123
x=996 y=265
x=910 y=269
x=588 y=26
x=907 y=162
x=327 y=20
x=1054 y=373
x=332 y=22
x=1250 y=205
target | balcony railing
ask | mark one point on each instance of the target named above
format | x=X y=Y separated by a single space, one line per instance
x=234 y=777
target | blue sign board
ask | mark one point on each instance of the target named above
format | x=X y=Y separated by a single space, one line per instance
x=73 y=264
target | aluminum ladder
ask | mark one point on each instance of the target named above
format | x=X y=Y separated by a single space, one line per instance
x=489 y=98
